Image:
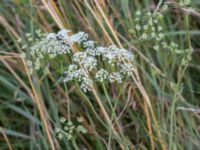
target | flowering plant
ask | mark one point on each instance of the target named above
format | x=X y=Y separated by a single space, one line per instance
x=91 y=63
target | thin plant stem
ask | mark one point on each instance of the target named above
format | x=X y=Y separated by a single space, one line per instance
x=40 y=108
x=6 y=138
x=181 y=72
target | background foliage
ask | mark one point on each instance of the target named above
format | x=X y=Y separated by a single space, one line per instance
x=28 y=102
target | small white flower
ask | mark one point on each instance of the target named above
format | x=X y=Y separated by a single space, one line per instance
x=161 y=35
x=149 y=13
x=28 y=34
x=89 y=63
x=159 y=15
x=52 y=56
x=101 y=75
x=38 y=31
x=63 y=34
x=37 y=64
x=115 y=77
x=80 y=119
x=145 y=27
x=89 y=44
x=164 y=44
x=60 y=136
x=127 y=68
x=144 y=36
x=160 y=28
x=82 y=129
x=138 y=27
x=19 y=40
x=153 y=34
x=156 y=47
x=100 y=50
x=153 y=29
x=66 y=128
x=86 y=84
x=51 y=36
x=24 y=46
x=79 y=56
x=71 y=73
x=150 y=22
x=137 y=19
x=79 y=37
x=30 y=39
x=90 y=47
x=138 y=13
x=29 y=63
x=23 y=55
x=62 y=120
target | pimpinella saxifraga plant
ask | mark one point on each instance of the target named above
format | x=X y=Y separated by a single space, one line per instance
x=90 y=64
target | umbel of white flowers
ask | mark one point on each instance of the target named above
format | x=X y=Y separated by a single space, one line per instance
x=91 y=63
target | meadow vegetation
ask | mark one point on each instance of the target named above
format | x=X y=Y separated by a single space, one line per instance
x=99 y=74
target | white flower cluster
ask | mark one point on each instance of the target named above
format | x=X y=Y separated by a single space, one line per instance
x=115 y=76
x=127 y=68
x=101 y=75
x=75 y=73
x=184 y=54
x=90 y=63
x=92 y=60
x=184 y=3
x=113 y=54
x=46 y=46
x=50 y=46
x=79 y=37
x=69 y=128
x=148 y=26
